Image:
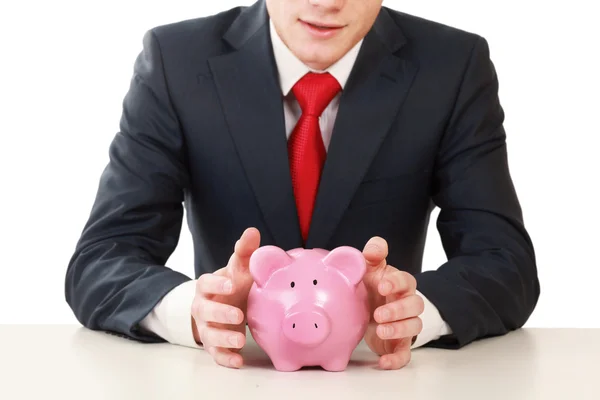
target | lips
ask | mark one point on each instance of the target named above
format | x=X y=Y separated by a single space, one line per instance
x=323 y=26
x=321 y=30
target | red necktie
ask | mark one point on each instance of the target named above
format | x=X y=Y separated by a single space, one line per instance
x=306 y=149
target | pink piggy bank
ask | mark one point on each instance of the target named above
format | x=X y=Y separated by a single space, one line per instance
x=308 y=307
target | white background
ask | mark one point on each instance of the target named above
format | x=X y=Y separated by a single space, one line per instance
x=65 y=67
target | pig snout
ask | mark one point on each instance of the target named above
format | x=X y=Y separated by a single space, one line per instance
x=307 y=328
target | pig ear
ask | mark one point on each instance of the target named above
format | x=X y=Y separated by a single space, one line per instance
x=265 y=261
x=349 y=261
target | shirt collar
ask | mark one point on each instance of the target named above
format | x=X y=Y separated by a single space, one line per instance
x=291 y=69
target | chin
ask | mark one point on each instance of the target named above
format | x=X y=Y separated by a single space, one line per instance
x=318 y=56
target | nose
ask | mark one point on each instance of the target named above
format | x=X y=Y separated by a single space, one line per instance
x=335 y=4
x=307 y=328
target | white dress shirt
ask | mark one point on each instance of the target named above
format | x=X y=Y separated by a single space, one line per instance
x=171 y=318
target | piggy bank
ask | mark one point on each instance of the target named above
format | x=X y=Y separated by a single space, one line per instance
x=308 y=307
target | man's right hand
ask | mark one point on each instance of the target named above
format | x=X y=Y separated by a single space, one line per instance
x=219 y=306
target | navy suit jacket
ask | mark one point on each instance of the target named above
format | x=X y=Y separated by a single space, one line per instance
x=419 y=125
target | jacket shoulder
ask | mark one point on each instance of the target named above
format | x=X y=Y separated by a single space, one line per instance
x=434 y=36
x=204 y=33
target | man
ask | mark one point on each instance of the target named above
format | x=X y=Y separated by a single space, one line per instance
x=308 y=123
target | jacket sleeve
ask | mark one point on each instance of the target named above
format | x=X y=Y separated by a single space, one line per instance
x=489 y=285
x=117 y=273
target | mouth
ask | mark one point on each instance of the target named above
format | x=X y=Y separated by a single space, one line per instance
x=320 y=29
x=321 y=25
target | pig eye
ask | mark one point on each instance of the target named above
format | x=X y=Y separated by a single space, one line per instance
x=292 y=284
x=315 y=282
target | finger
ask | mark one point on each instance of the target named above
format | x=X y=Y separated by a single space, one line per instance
x=397 y=359
x=243 y=249
x=407 y=328
x=406 y=307
x=212 y=311
x=216 y=337
x=397 y=282
x=375 y=252
x=225 y=357
x=213 y=284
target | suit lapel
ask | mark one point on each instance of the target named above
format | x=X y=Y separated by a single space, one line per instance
x=372 y=98
x=246 y=80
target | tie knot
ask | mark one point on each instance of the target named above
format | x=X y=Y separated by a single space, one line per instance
x=315 y=91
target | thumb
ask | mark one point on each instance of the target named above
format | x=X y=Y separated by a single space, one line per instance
x=244 y=247
x=375 y=253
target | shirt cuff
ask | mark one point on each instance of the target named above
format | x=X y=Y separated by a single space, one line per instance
x=171 y=319
x=433 y=325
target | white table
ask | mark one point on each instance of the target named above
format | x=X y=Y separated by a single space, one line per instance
x=70 y=362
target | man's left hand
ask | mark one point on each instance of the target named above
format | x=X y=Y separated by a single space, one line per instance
x=395 y=307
